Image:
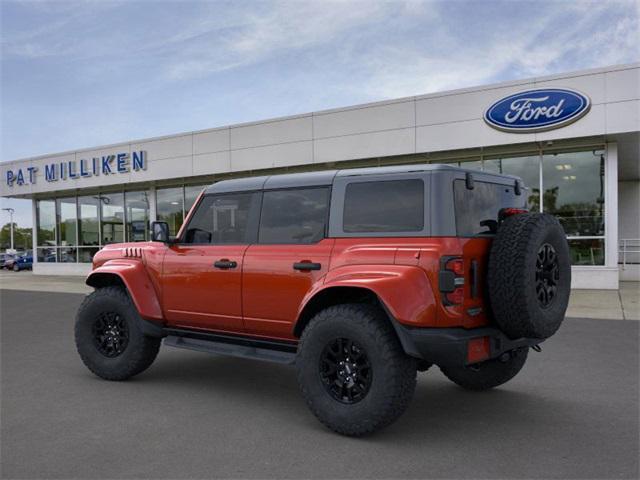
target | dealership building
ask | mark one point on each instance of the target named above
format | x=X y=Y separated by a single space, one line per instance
x=573 y=138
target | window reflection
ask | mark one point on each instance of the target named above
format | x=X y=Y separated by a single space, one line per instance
x=574 y=191
x=46 y=254
x=112 y=223
x=587 y=252
x=137 y=216
x=472 y=165
x=66 y=221
x=88 y=220
x=85 y=254
x=190 y=196
x=527 y=168
x=169 y=208
x=46 y=219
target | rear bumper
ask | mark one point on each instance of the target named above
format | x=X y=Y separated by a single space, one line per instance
x=450 y=346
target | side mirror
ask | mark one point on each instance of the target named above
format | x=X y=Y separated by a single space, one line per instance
x=160 y=232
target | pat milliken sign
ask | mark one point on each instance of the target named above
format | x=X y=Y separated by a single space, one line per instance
x=117 y=163
x=537 y=110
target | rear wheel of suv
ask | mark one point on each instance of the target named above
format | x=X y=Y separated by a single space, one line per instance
x=108 y=335
x=352 y=370
x=529 y=275
x=489 y=374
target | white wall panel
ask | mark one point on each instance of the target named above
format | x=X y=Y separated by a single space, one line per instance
x=166 y=168
x=623 y=85
x=593 y=123
x=469 y=134
x=465 y=106
x=592 y=85
x=271 y=133
x=623 y=116
x=286 y=154
x=166 y=147
x=360 y=120
x=212 y=141
x=379 y=144
x=209 y=163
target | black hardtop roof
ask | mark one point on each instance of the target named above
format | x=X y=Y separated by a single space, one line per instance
x=326 y=177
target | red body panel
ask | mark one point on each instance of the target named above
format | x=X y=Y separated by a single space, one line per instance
x=196 y=294
x=272 y=289
x=141 y=280
x=264 y=295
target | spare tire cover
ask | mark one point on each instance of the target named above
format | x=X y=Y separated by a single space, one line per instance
x=529 y=275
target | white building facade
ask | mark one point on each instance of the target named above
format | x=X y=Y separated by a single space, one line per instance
x=581 y=164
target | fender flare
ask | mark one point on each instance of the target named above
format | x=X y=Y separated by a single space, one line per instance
x=415 y=306
x=133 y=275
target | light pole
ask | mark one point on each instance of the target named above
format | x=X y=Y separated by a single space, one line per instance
x=11 y=212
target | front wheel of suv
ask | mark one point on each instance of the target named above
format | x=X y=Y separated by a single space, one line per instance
x=108 y=335
x=352 y=370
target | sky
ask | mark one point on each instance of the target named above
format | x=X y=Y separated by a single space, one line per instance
x=86 y=73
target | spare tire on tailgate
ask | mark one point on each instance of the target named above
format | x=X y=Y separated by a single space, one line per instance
x=529 y=275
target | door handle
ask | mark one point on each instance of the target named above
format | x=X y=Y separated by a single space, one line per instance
x=225 y=264
x=306 y=266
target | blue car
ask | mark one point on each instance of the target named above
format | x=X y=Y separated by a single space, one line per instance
x=23 y=262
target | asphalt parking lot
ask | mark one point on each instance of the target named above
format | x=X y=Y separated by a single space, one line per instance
x=571 y=413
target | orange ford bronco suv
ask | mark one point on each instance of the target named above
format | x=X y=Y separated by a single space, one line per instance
x=359 y=277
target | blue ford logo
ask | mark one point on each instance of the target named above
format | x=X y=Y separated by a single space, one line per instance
x=537 y=110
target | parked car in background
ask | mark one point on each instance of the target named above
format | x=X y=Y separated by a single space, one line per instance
x=23 y=262
x=7 y=260
x=4 y=257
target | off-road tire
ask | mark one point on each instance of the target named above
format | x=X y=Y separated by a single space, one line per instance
x=514 y=281
x=16 y=268
x=393 y=373
x=489 y=374
x=140 y=350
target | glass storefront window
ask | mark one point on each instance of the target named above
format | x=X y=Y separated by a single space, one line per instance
x=112 y=220
x=587 y=251
x=46 y=218
x=190 y=196
x=67 y=255
x=472 y=165
x=88 y=220
x=169 y=207
x=46 y=254
x=137 y=216
x=574 y=191
x=527 y=168
x=67 y=211
x=85 y=254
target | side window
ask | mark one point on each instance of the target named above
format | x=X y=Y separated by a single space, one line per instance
x=222 y=219
x=294 y=216
x=384 y=206
x=477 y=210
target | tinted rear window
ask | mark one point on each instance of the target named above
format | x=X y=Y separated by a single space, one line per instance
x=386 y=206
x=482 y=204
x=294 y=215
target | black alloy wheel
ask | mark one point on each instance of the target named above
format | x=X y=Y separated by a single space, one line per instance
x=547 y=275
x=110 y=334
x=345 y=370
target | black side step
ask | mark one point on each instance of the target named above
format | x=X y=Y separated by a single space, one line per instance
x=278 y=352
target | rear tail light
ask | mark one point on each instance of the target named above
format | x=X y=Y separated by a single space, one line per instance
x=451 y=280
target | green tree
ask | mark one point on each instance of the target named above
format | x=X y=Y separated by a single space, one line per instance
x=22 y=237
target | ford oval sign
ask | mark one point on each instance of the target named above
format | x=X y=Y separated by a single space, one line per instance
x=537 y=110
